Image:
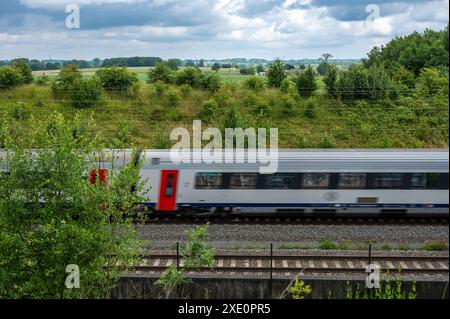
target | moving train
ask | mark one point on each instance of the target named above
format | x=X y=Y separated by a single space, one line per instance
x=307 y=181
x=310 y=181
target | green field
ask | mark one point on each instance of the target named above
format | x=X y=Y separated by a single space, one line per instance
x=228 y=75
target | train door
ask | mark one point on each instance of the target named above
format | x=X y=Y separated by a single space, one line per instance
x=168 y=190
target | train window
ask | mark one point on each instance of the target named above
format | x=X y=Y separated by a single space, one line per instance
x=352 y=180
x=316 y=180
x=280 y=181
x=169 y=185
x=432 y=180
x=389 y=180
x=243 y=180
x=419 y=180
x=208 y=180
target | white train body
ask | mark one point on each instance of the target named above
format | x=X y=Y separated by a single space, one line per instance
x=309 y=181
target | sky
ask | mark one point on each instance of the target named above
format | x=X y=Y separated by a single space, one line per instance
x=194 y=29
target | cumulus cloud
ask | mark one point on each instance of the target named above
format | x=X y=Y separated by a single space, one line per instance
x=211 y=28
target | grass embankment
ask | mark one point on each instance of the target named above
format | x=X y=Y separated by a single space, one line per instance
x=146 y=118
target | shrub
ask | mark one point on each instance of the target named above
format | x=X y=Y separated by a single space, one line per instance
x=161 y=72
x=306 y=82
x=86 y=93
x=255 y=83
x=66 y=79
x=435 y=245
x=325 y=244
x=310 y=111
x=287 y=107
x=327 y=142
x=276 y=73
x=42 y=80
x=20 y=112
x=9 y=77
x=24 y=69
x=189 y=76
x=285 y=85
x=116 y=78
x=299 y=290
x=209 y=110
x=172 y=98
x=210 y=82
x=160 y=87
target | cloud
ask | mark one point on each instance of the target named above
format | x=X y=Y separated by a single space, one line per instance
x=211 y=28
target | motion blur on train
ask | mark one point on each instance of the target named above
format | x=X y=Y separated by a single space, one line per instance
x=389 y=181
x=357 y=182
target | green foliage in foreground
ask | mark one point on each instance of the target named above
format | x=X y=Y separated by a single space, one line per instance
x=196 y=254
x=389 y=289
x=51 y=216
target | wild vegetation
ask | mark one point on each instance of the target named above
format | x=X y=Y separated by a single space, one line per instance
x=397 y=97
x=82 y=223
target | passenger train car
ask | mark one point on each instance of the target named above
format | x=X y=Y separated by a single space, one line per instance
x=307 y=181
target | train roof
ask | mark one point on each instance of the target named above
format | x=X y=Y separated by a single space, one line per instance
x=321 y=160
x=292 y=160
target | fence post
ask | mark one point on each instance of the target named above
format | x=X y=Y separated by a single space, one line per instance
x=370 y=261
x=271 y=270
x=178 y=255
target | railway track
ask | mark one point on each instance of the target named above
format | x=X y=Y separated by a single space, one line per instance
x=290 y=264
x=313 y=220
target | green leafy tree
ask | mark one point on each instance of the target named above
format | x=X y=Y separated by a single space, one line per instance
x=210 y=82
x=330 y=79
x=116 y=78
x=52 y=217
x=254 y=83
x=86 y=93
x=215 y=67
x=189 y=76
x=276 y=73
x=306 y=82
x=66 y=79
x=23 y=66
x=9 y=77
x=161 y=72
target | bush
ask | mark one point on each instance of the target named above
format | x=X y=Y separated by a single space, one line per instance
x=42 y=80
x=209 y=110
x=285 y=85
x=435 y=245
x=20 y=112
x=161 y=72
x=276 y=73
x=66 y=79
x=86 y=93
x=325 y=244
x=287 y=107
x=189 y=76
x=116 y=78
x=210 y=82
x=306 y=82
x=172 y=98
x=9 y=77
x=255 y=83
x=24 y=69
x=310 y=111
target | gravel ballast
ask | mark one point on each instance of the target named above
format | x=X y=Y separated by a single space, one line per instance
x=228 y=234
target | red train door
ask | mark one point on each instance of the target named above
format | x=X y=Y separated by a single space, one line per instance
x=168 y=190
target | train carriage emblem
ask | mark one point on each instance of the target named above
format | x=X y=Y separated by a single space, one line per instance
x=331 y=196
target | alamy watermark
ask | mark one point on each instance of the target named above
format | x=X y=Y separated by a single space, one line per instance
x=73 y=279
x=73 y=19
x=373 y=276
x=237 y=146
